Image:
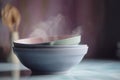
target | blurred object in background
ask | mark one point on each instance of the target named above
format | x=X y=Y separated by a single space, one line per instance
x=11 y=19
x=118 y=50
x=99 y=21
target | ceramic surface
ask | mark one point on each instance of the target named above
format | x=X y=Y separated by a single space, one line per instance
x=37 y=42
x=51 y=59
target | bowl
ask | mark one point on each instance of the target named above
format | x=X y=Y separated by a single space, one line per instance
x=51 y=60
x=74 y=40
x=39 y=42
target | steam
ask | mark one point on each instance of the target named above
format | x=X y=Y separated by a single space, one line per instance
x=77 y=31
x=53 y=26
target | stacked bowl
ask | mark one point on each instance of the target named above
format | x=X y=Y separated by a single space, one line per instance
x=51 y=55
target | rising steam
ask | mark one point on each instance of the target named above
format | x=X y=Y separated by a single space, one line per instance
x=53 y=26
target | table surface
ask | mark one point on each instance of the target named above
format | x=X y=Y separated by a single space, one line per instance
x=86 y=70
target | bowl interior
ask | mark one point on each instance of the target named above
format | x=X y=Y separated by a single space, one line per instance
x=46 y=41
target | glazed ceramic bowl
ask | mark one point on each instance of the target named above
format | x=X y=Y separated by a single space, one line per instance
x=51 y=60
x=74 y=40
x=39 y=42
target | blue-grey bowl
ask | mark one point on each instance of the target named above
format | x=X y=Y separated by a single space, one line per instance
x=51 y=60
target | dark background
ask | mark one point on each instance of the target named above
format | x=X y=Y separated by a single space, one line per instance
x=111 y=30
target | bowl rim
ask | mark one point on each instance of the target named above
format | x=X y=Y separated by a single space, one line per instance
x=49 y=49
x=56 y=46
x=51 y=46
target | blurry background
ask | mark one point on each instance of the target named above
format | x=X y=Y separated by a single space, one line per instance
x=98 y=19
